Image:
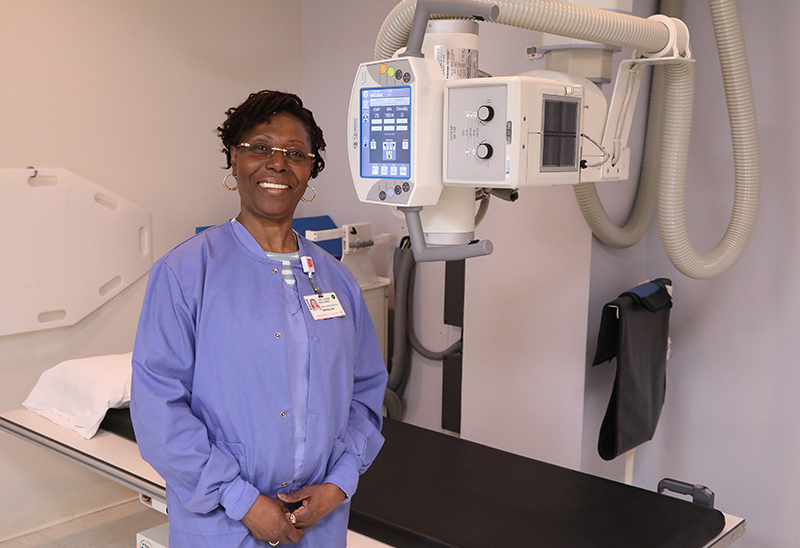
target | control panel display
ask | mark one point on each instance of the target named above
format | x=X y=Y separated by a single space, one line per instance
x=385 y=132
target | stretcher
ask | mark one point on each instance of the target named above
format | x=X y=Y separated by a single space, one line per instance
x=430 y=490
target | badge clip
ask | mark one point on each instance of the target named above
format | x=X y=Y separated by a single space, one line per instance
x=308 y=268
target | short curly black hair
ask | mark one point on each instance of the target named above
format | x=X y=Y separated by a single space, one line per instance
x=258 y=109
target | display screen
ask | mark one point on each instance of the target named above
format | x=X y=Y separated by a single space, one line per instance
x=386 y=132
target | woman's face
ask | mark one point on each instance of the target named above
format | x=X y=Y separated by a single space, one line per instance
x=270 y=188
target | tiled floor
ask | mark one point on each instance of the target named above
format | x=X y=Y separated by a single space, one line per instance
x=112 y=528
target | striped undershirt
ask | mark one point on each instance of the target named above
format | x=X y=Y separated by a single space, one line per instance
x=286 y=262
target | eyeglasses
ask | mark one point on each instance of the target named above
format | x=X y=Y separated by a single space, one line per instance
x=291 y=154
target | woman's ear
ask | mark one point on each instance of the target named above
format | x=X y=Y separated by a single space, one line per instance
x=234 y=159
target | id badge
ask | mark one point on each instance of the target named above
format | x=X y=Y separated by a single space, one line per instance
x=324 y=306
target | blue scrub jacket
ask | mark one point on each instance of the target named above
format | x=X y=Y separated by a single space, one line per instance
x=210 y=397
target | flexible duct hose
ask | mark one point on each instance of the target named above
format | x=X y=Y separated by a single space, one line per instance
x=395 y=406
x=616 y=29
x=400 y=360
x=747 y=162
x=551 y=16
x=454 y=348
x=644 y=206
x=671 y=8
x=403 y=269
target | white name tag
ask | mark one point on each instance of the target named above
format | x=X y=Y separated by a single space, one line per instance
x=324 y=306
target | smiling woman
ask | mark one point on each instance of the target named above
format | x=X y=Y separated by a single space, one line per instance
x=271 y=185
x=259 y=414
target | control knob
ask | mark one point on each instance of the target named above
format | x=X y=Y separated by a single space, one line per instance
x=485 y=113
x=484 y=151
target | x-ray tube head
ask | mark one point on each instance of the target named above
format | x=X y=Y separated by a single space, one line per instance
x=518 y=131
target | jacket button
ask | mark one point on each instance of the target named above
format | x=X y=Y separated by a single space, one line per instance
x=283 y=414
x=284 y=484
x=277 y=335
x=274 y=270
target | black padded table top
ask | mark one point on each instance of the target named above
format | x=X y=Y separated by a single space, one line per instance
x=430 y=490
x=119 y=422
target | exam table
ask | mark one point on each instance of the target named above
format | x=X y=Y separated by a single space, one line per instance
x=431 y=490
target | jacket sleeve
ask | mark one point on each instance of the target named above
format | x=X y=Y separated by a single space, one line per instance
x=170 y=437
x=363 y=439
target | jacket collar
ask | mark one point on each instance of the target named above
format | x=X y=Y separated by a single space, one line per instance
x=251 y=246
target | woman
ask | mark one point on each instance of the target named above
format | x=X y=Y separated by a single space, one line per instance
x=259 y=415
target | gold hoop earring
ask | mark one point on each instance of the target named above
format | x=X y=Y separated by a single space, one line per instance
x=313 y=198
x=225 y=182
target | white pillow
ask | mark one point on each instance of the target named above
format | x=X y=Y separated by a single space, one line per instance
x=77 y=393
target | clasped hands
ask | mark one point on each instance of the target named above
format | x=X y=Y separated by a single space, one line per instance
x=269 y=519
